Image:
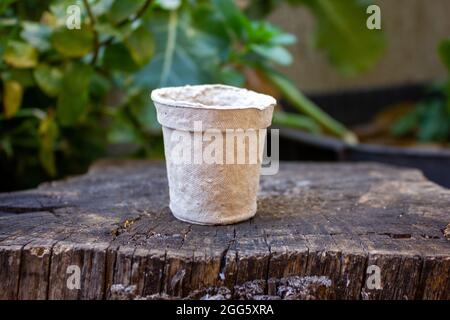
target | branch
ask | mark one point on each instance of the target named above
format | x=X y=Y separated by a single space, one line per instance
x=307 y=107
x=96 y=41
x=123 y=22
x=138 y=14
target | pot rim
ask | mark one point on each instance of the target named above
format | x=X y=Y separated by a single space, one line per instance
x=255 y=100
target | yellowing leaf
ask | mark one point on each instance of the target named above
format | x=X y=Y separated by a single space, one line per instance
x=12 y=99
x=49 y=79
x=48 y=133
x=20 y=55
x=49 y=19
x=141 y=45
x=73 y=43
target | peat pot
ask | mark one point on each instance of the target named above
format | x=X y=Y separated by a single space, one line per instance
x=213 y=143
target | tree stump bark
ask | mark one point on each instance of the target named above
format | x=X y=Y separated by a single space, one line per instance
x=322 y=231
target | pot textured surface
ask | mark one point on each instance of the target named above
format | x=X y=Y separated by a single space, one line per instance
x=318 y=228
x=220 y=192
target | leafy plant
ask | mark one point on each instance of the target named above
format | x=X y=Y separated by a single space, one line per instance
x=340 y=31
x=430 y=120
x=68 y=94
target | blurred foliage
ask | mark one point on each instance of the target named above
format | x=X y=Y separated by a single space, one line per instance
x=340 y=31
x=69 y=94
x=430 y=120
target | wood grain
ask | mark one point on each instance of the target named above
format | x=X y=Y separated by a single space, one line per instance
x=318 y=228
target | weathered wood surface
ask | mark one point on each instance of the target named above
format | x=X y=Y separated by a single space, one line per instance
x=318 y=228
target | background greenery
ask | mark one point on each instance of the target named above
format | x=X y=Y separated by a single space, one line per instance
x=72 y=96
x=430 y=119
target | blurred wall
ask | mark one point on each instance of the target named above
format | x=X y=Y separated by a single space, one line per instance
x=413 y=29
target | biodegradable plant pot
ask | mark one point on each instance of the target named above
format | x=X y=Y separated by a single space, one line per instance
x=222 y=191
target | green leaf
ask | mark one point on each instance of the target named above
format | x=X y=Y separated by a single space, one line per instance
x=99 y=86
x=262 y=32
x=118 y=33
x=230 y=76
x=275 y=53
x=260 y=37
x=20 y=55
x=48 y=133
x=123 y=9
x=206 y=18
x=444 y=52
x=117 y=57
x=73 y=97
x=141 y=45
x=73 y=43
x=49 y=79
x=183 y=54
x=36 y=34
x=122 y=130
x=434 y=121
x=12 y=99
x=27 y=113
x=143 y=111
x=6 y=146
x=283 y=39
x=429 y=121
x=106 y=30
x=101 y=7
x=297 y=121
x=233 y=17
x=405 y=124
x=23 y=76
x=342 y=33
x=306 y=106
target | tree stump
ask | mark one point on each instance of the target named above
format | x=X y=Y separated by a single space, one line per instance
x=322 y=231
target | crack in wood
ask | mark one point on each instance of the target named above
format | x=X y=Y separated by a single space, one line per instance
x=20 y=268
x=161 y=283
x=22 y=210
x=49 y=270
x=268 y=261
x=152 y=248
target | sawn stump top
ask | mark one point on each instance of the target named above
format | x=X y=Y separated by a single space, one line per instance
x=330 y=221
